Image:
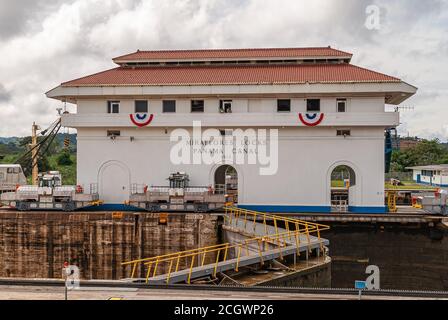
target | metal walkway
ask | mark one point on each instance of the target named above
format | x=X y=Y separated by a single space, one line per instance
x=259 y=237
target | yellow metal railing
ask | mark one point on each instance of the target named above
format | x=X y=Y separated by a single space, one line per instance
x=253 y=246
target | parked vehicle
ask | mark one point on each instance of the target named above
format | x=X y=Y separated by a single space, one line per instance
x=178 y=196
x=49 y=194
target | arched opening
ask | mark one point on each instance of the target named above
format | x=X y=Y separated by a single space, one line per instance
x=226 y=181
x=343 y=178
x=114 y=182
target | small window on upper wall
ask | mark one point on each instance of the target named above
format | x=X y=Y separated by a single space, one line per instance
x=113 y=106
x=169 y=106
x=225 y=106
x=344 y=133
x=197 y=105
x=113 y=133
x=312 y=105
x=284 y=105
x=341 y=105
x=141 y=106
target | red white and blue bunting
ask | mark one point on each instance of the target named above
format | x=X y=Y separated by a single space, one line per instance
x=311 y=119
x=141 y=119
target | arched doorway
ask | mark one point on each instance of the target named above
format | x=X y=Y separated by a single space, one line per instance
x=343 y=179
x=226 y=181
x=114 y=182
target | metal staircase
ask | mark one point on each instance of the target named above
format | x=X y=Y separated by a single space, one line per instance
x=260 y=237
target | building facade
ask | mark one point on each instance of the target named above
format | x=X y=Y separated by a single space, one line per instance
x=433 y=175
x=323 y=111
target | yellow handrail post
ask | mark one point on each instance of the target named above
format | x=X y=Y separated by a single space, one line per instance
x=238 y=258
x=276 y=231
x=203 y=257
x=225 y=252
x=279 y=247
x=169 y=272
x=178 y=261
x=298 y=243
x=275 y=226
x=191 y=268
x=155 y=267
x=260 y=252
x=320 y=241
x=148 y=273
x=216 y=264
x=133 y=270
x=308 y=237
x=265 y=223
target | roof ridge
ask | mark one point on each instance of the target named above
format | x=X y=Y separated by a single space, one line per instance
x=161 y=51
x=238 y=49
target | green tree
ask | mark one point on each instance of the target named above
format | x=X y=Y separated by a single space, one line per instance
x=426 y=152
x=64 y=159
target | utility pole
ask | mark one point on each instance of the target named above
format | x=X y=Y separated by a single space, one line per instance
x=34 y=153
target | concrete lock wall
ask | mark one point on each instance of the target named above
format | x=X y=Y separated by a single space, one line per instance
x=410 y=257
x=35 y=245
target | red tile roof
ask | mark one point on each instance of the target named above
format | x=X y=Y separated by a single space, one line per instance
x=216 y=75
x=233 y=54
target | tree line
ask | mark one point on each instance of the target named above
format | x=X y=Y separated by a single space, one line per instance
x=426 y=152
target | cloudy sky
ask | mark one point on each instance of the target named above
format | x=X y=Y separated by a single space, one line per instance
x=43 y=43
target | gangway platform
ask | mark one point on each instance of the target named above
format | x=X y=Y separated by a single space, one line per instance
x=260 y=237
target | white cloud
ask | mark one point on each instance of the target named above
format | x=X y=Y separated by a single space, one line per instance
x=77 y=37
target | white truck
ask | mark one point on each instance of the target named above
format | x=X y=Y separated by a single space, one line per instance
x=177 y=197
x=50 y=194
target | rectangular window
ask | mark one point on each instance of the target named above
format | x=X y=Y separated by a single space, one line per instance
x=113 y=106
x=312 y=105
x=197 y=105
x=169 y=106
x=344 y=133
x=113 y=133
x=141 y=106
x=225 y=106
x=226 y=132
x=284 y=105
x=2 y=176
x=341 y=105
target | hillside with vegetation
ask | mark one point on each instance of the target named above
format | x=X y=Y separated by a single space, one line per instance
x=57 y=157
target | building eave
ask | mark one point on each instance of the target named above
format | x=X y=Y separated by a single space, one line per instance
x=394 y=92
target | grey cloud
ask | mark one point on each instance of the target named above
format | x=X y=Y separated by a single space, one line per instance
x=17 y=16
x=104 y=29
x=4 y=94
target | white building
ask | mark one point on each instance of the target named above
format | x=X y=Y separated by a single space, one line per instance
x=282 y=89
x=434 y=175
